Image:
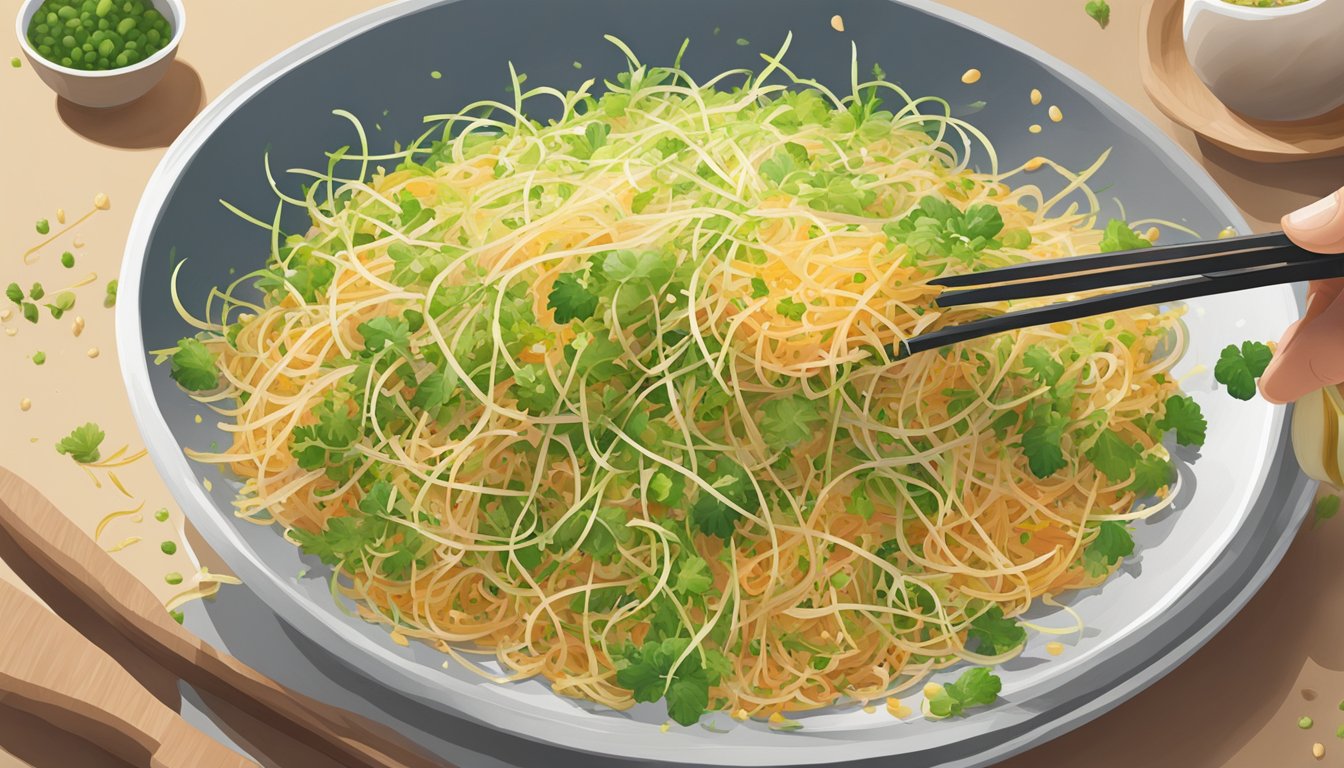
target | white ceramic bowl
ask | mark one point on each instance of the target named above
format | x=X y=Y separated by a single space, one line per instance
x=1278 y=63
x=107 y=88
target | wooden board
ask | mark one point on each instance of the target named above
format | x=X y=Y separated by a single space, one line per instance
x=1176 y=90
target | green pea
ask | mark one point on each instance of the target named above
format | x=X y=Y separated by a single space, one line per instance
x=67 y=260
x=104 y=24
x=153 y=36
x=45 y=50
x=42 y=29
x=125 y=25
x=65 y=61
x=131 y=45
x=104 y=6
x=53 y=19
x=43 y=226
x=39 y=358
x=122 y=59
x=104 y=63
x=173 y=578
x=73 y=23
x=87 y=47
x=168 y=547
x=77 y=55
x=67 y=12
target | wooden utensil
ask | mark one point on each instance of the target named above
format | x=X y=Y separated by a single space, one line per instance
x=1176 y=90
x=50 y=670
x=71 y=560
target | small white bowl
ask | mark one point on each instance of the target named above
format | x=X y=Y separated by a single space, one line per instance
x=106 y=88
x=1277 y=63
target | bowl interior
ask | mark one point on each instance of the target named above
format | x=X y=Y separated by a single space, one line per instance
x=284 y=110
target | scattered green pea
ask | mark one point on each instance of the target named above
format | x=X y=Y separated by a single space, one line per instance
x=168 y=548
x=177 y=616
x=39 y=358
x=43 y=226
x=436 y=74
x=110 y=299
x=173 y=578
x=743 y=41
x=15 y=63
x=1304 y=723
x=67 y=260
x=161 y=515
x=859 y=277
x=578 y=65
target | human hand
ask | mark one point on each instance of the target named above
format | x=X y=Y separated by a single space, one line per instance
x=1311 y=353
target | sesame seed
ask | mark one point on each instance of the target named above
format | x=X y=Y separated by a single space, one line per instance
x=869 y=709
x=971 y=76
x=60 y=215
x=665 y=727
x=1318 y=750
x=1151 y=235
x=1035 y=96
x=5 y=315
x=77 y=327
x=11 y=331
x=1054 y=648
x=25 y=404
x=198 y=418
x=740 y=714
x=1055 y=114
x=1034 y=128
x=78 y=242
x=92 y=353
x=1224 y=233
x=837 y=23
x=209 y=486
x=101 y=201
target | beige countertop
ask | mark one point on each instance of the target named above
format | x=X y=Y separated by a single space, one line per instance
x=1235 y=703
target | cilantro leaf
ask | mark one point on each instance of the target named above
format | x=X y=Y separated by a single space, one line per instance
x=759 y=289
x=626 y=266
x=1113 y=456
x=1326 y=508
x=533 y=388
x=385 y=332
x=975 y=687
x=793 y=157
x=571 y=300
x=193 y=366
x=436 y=390
x=1237 y=369
x=1100 y=11
x=788 y=421
x=82 y=443
x=791 y=309
x=1043 y=366
x=648 y=672
x=1041 y=444
x=642 y=199
x=416 y=264
x=1182 y=414
x=1151 y=474
x=1118 y=235
x=995 y=633
x=693 y=577
x=1113 y=542
x=938 y=228
x=340 y=543
x=608 y=529
x=711 y=516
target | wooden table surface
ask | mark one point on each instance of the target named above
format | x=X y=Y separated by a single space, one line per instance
x=1235 y=703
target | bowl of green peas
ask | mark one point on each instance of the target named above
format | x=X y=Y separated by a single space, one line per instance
x=100 y=53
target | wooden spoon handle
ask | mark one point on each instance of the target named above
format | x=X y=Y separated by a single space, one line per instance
x=49 y=669
x=65 y=554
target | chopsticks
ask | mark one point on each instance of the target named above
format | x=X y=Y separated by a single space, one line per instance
x=1164 y=274
x=97 y=596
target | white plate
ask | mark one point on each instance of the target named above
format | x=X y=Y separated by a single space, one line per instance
x=1239 y=501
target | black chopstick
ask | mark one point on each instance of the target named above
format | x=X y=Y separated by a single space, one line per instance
x=1131 y=275
x=1207 y=285
x=1114 y=260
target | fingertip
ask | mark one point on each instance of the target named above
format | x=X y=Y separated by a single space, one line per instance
x=1318 y=227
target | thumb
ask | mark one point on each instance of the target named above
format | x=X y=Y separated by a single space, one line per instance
x=1312 y=358
x=1318 y=227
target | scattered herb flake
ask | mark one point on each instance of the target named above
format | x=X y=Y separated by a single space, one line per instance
x=1100 y=11
x=82 y=443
